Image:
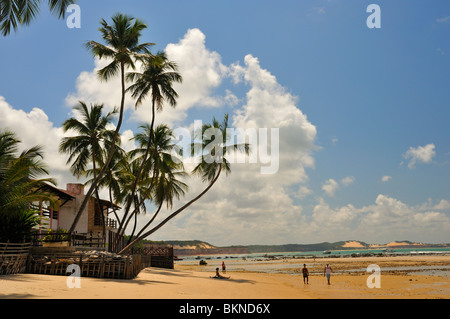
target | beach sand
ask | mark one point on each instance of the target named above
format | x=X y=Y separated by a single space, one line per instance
x=190 y=281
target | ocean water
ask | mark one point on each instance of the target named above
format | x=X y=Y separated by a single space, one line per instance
x=320 y=254
x=278 y=262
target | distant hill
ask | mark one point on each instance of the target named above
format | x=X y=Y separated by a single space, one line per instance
x=198 y=247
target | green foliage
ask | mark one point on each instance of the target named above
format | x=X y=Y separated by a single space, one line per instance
x=56 y=235
x=17 y=227
x=91 y=140
x=19 y=187
x=20 y=12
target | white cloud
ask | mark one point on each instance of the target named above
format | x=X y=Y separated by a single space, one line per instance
x=35 y=128
x=303 y=192
x=92 y=90
x=443 y=20
x=246 y=202
x=201 y=69
x=347 y=181
x=248 y=206
x=127 y=141
x=330 y=187
x=386 y=220
x=386 y=178
x=423 y=154
x=443 y=205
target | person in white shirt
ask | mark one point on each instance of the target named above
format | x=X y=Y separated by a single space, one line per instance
x=327 y=271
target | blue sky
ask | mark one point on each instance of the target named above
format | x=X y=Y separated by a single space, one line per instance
x=365 y=104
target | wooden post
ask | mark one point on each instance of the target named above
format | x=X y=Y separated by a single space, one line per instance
x=51 y=217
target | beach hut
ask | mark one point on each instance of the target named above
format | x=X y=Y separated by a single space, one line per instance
x=90 y=230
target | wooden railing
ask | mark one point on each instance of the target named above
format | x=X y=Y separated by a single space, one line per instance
x=76 y=239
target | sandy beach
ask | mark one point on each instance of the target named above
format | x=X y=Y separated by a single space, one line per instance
x=191 y=281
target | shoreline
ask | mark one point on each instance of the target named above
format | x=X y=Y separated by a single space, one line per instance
x=190 y=281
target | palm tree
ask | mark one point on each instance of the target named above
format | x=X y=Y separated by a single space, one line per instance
x=157 y=78
x=88 y=146
x=20 y=186
x=161 y=183
x=209 y=170
x=122 y=47
x=93 y=137
x=15 y=12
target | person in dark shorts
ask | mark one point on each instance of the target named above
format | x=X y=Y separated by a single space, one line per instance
x=305 y=273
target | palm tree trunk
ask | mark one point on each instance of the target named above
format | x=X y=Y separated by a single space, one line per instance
x=123 y=225
x=154 y=229
x=151 y=221
x=110 y=155
x=99 y=203
x=143 y=199
x=111 y=200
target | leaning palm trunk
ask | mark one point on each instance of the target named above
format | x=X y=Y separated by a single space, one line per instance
x=174 y=214
x=112 y=149
x=123 y=225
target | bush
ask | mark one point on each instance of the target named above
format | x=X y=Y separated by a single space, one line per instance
x=17 y=227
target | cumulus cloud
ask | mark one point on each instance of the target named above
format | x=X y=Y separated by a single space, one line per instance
x=202 y=72
x=34 y=128
x=90 y=89
x=250 y=206
x=386 y=220
x=331 y=186
x=303 y=192
x=423 y=154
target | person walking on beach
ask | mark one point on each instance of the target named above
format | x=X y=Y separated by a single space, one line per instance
x=224 y=268
x=305 y=274
x=327 y=271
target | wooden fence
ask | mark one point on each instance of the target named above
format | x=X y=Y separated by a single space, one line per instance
x=161 y=256
x=115 y=242
x=13 y=257
x=119 y=267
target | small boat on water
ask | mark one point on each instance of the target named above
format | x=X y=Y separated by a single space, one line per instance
x=327 y=252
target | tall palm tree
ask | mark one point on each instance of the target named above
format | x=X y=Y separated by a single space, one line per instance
x=157 y=78
x=20 y=185
x=18 y=12
x=209 y=170
x=122 y=48
x=88 y=146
